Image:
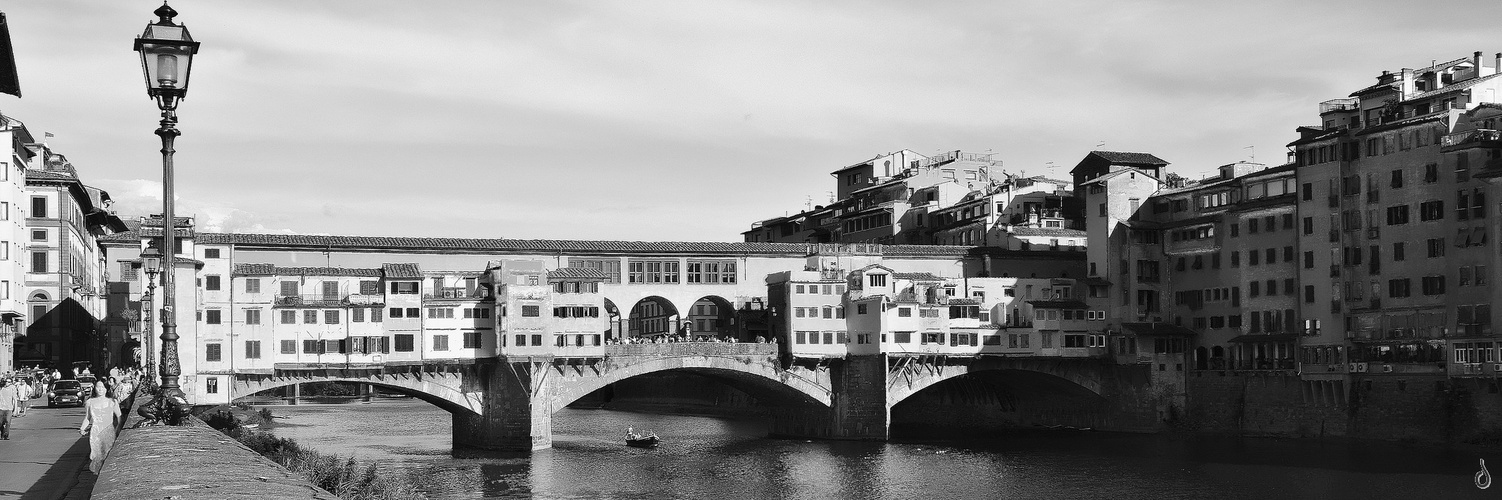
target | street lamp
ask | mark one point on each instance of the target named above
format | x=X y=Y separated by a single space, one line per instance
x=166 y=60
x=151 y=262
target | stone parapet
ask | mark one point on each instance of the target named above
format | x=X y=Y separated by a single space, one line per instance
x=193 y=461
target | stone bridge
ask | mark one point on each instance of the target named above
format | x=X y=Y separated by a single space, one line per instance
x=507 y=403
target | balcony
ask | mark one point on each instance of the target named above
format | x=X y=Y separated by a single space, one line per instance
x=456 y=292
x=1478 y=135
x=1339 y=105
x=328 y=300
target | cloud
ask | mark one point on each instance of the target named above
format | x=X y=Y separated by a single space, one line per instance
x=141 y=197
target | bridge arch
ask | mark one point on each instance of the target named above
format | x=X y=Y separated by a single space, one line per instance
x=762 y=380
x=444 y=390
x=711 y=315
x=909 y=376
x=653 y=315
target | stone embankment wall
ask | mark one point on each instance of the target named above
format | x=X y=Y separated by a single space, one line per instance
x=190 y=462
x=1425 y=408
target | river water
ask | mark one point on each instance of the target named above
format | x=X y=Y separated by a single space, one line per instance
x=715 y=458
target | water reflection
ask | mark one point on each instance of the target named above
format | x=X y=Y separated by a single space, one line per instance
x=717 y=458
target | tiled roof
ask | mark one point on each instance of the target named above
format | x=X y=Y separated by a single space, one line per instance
x=497 y=245
x=1126 y=158
x=964 y=302
x=576 y=272
x=401 y=270
x=45 y=175
x=917 y=276
x=1058 y=304
x=272 y=270
x=1047 y=231
x=1119 y=173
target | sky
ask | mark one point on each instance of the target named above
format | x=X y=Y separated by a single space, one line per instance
x=675 y=120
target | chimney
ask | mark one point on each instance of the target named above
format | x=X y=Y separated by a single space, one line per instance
x=1476 y=62
x=1407 y=83
x=1497 y=68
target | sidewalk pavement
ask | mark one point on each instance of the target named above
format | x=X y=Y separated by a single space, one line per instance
x=45 y=457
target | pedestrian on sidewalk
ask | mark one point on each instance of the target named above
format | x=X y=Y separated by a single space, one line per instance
x=101 y=417
x=10 y=401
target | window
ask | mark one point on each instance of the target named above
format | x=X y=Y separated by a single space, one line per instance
x=1309 y=225
x=312 y=347
x=652 y=271
x=252 y=349
x=1432 y=210
x=211 y=253
x=331 y=317
x=1431 y=173
x=211 y=282
x=404 y=288
x=357 y=315
x=1397 y=215
x=39 y=235
x=904 y=312
x=252 y=316
x=396 y=312
x=252 y=285
x=375 y=315
x=440 y=342
x=38 y=206
x=211 y=352
x=289 y=317
x=471 y=340
x=877 y=280
x=404 y=342
x=710 y=271
x=1397 y=251
x=1308 y=260
x=39 y=262
x=1436 y=247
x=289 y=289
x=1433 y=285
x=1397 y=179
x=531 y=311
x=289 y=347
x=211 y=316
x=211 y=385
x=413 y=312
x=1235 y=259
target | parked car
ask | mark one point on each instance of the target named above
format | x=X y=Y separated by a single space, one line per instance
x=65 y=392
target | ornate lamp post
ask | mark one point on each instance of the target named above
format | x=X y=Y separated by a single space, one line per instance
x=151 y=262
x=166 y=59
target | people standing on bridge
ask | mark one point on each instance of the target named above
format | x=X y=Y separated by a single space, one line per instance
x=101 y=415
x=8 y=404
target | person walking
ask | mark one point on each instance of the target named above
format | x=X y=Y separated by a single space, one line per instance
x=7 y=405
x=99 y=422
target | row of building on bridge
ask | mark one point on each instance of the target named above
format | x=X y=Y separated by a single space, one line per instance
x=266 y=318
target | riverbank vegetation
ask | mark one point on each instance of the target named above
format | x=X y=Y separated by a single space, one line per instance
x=344 y=477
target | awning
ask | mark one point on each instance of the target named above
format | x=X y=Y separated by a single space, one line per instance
x=1270 y=337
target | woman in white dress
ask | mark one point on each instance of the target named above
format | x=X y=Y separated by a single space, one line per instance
x=100 y=414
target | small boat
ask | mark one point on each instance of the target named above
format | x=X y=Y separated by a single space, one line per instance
x=648 y=441
x=641 y=440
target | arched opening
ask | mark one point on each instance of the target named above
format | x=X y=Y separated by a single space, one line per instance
x=1218 y=358
x=653 y=317
x=997 y=401
x=274 y=390
x=712 y=317
x=1201 y=358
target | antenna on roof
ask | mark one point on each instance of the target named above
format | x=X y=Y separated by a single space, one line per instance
x=809 y=202
x=1252 y=153
x=1101 y=145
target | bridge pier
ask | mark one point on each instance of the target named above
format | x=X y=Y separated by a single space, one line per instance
x=517 y=414
x=858 y=404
